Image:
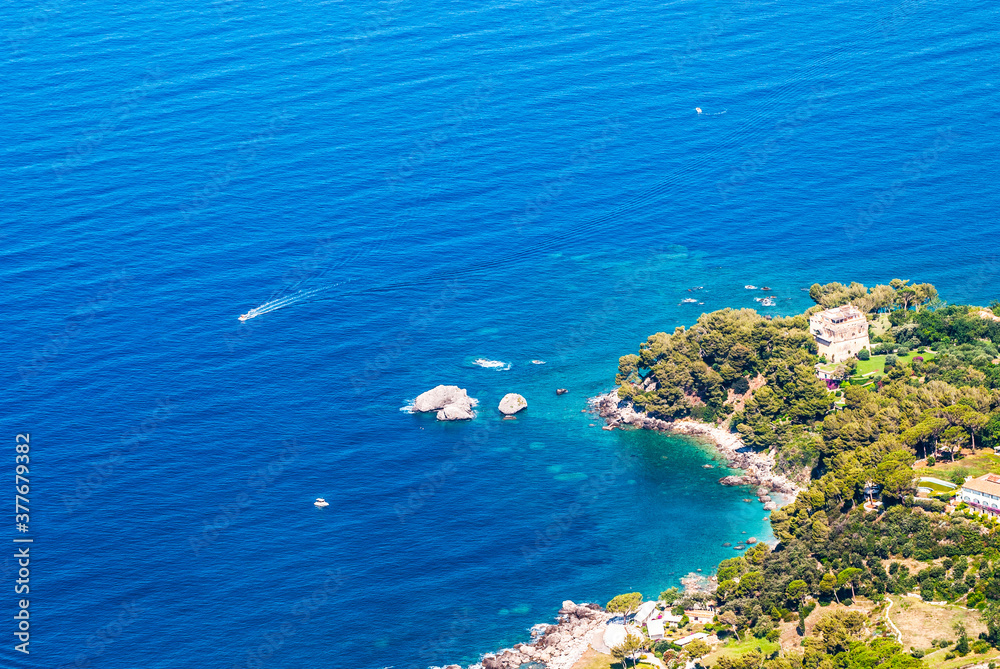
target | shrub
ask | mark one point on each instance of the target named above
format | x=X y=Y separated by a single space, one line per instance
x=703 y=413
x=741 y=385
x=980 y=646
x=930 y=460
x=949 y=656
x=890 y=360
x=863 y=354
x=903 y=351
x=917 y=653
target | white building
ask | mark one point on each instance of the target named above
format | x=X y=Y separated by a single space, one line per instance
x=646 y=611
x=982 y=494
x=655 y=629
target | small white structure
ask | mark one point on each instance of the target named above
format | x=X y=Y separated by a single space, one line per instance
x=655 y=629
x=685 y=640
x=645 y=612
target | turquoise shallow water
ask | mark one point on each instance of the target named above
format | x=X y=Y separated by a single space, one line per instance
x=512 y=181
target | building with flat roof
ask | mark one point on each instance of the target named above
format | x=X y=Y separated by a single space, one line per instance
x=839 y=332
x=982 y=494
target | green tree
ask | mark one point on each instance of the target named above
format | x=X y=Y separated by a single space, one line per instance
x=670 y=595
x=991 y=618
x=962 y=647
x=625 y=604
x=828 y=585
x=698 y=648
x=990 y=433
x=627 y=648
x=729 y=618
x=849 y=576
x=797 y=590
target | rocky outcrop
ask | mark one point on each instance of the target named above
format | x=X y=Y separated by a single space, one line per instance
x=450 y=402
x=758 y=468
x=512 y=403
x=556 y=646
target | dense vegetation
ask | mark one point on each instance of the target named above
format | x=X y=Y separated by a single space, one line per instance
x=857 y=443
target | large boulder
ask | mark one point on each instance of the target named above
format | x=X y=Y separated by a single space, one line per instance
x=455 y=412
x=512 y=403
x=450 y=403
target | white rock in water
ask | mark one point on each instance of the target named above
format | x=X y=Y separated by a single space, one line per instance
x=455 y=412
x=441 y=396
x=512 y=403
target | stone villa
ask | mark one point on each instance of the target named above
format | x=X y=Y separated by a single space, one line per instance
x=839 y=332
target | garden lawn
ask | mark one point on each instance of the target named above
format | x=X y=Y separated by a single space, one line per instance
x=877 y=362
x=981 y=463
x=734 y=648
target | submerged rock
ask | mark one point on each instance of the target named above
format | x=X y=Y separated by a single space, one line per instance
x=450 y=402
x=512 y=403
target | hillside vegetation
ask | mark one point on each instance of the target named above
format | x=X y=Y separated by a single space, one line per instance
x=860 y=443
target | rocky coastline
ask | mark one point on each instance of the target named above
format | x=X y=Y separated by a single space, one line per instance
x=759 y=468
x=557 y=646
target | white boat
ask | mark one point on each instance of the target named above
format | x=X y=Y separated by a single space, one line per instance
x=320 y=502
x=750 y=287
x=249 y=314
x=689 y=300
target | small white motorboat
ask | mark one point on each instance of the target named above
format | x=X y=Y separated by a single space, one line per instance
x=320 y=502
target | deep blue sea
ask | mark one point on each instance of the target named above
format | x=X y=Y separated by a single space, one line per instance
x=457 y=180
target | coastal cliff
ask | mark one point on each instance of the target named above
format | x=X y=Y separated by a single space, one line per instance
x=759 y=468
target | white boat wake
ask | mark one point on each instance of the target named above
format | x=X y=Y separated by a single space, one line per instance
x=281 y=303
